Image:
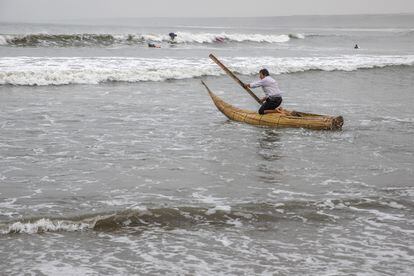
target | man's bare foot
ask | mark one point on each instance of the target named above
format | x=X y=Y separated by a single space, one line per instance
x=283 y=111
x=271 y=111
x=277 y=110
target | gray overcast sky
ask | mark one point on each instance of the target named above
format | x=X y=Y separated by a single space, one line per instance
x=46 y=10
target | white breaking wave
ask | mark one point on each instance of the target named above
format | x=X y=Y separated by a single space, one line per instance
x=87 y=70
x=74 y=40
x=45 y=225
x=3 y=40
x=183 y=37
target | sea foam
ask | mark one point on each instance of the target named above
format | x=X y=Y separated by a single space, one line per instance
x=88 y=70
x=82 y=40
x=45 y=225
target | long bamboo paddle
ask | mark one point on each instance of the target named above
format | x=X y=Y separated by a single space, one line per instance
x=233 y=76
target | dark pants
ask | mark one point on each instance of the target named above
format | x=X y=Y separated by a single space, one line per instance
x=270 y=104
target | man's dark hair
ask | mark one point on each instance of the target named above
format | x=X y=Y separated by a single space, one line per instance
x=264 y=72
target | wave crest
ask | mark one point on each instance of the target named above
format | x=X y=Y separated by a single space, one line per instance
x=81 y=70
x=328 y=211
x=45 y=225
x=102 y=40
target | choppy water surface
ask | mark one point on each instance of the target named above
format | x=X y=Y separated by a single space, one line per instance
x=140 y=173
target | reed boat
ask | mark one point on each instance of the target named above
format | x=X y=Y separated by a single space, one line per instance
x=295 y=119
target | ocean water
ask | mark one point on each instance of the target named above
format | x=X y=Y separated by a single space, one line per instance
x=115 y=161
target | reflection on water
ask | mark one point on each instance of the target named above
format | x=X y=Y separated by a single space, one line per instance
x=269 y=151
x=269 y=145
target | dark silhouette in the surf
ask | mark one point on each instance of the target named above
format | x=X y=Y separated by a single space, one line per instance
x=172 y=36
x=219 y=39
x=153 y=45
x=356 y=46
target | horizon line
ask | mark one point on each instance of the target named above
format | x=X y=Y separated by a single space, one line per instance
x=48 y=21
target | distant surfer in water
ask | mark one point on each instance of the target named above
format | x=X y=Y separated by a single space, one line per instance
x=153 y=45
x=172 y=36
x=273 y=98
x=356 y=46
x=219 y=39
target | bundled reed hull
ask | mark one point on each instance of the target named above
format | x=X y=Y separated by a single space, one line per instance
x=300 y=120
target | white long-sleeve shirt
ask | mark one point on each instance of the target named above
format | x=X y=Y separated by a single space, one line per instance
x=269 y=86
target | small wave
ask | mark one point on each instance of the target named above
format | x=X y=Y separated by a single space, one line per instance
x=44 y=225
x=225 y=37
x=103 y=40
x=3 y=40
x=328 y=211
x=179 y=217
x=297 y=36
x=397 y=119
x=65 y=40
x=83 y=70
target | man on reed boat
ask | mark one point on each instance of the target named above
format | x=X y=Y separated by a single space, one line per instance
x=273 y=98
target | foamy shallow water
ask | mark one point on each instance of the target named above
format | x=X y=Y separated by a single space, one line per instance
x=81 y=70
x=150 y=178
x=114 y=160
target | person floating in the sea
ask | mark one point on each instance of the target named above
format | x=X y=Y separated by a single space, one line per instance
x=172 y=36
x=153 y=45
x=219 y=39
x=356 y=46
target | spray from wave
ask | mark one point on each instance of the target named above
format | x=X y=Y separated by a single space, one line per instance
x=103 y=40
x=87 y=70
x=328 y=211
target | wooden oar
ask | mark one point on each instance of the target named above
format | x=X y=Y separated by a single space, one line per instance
x=233 y=76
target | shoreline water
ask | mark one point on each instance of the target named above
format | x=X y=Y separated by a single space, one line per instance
x=118 y=176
